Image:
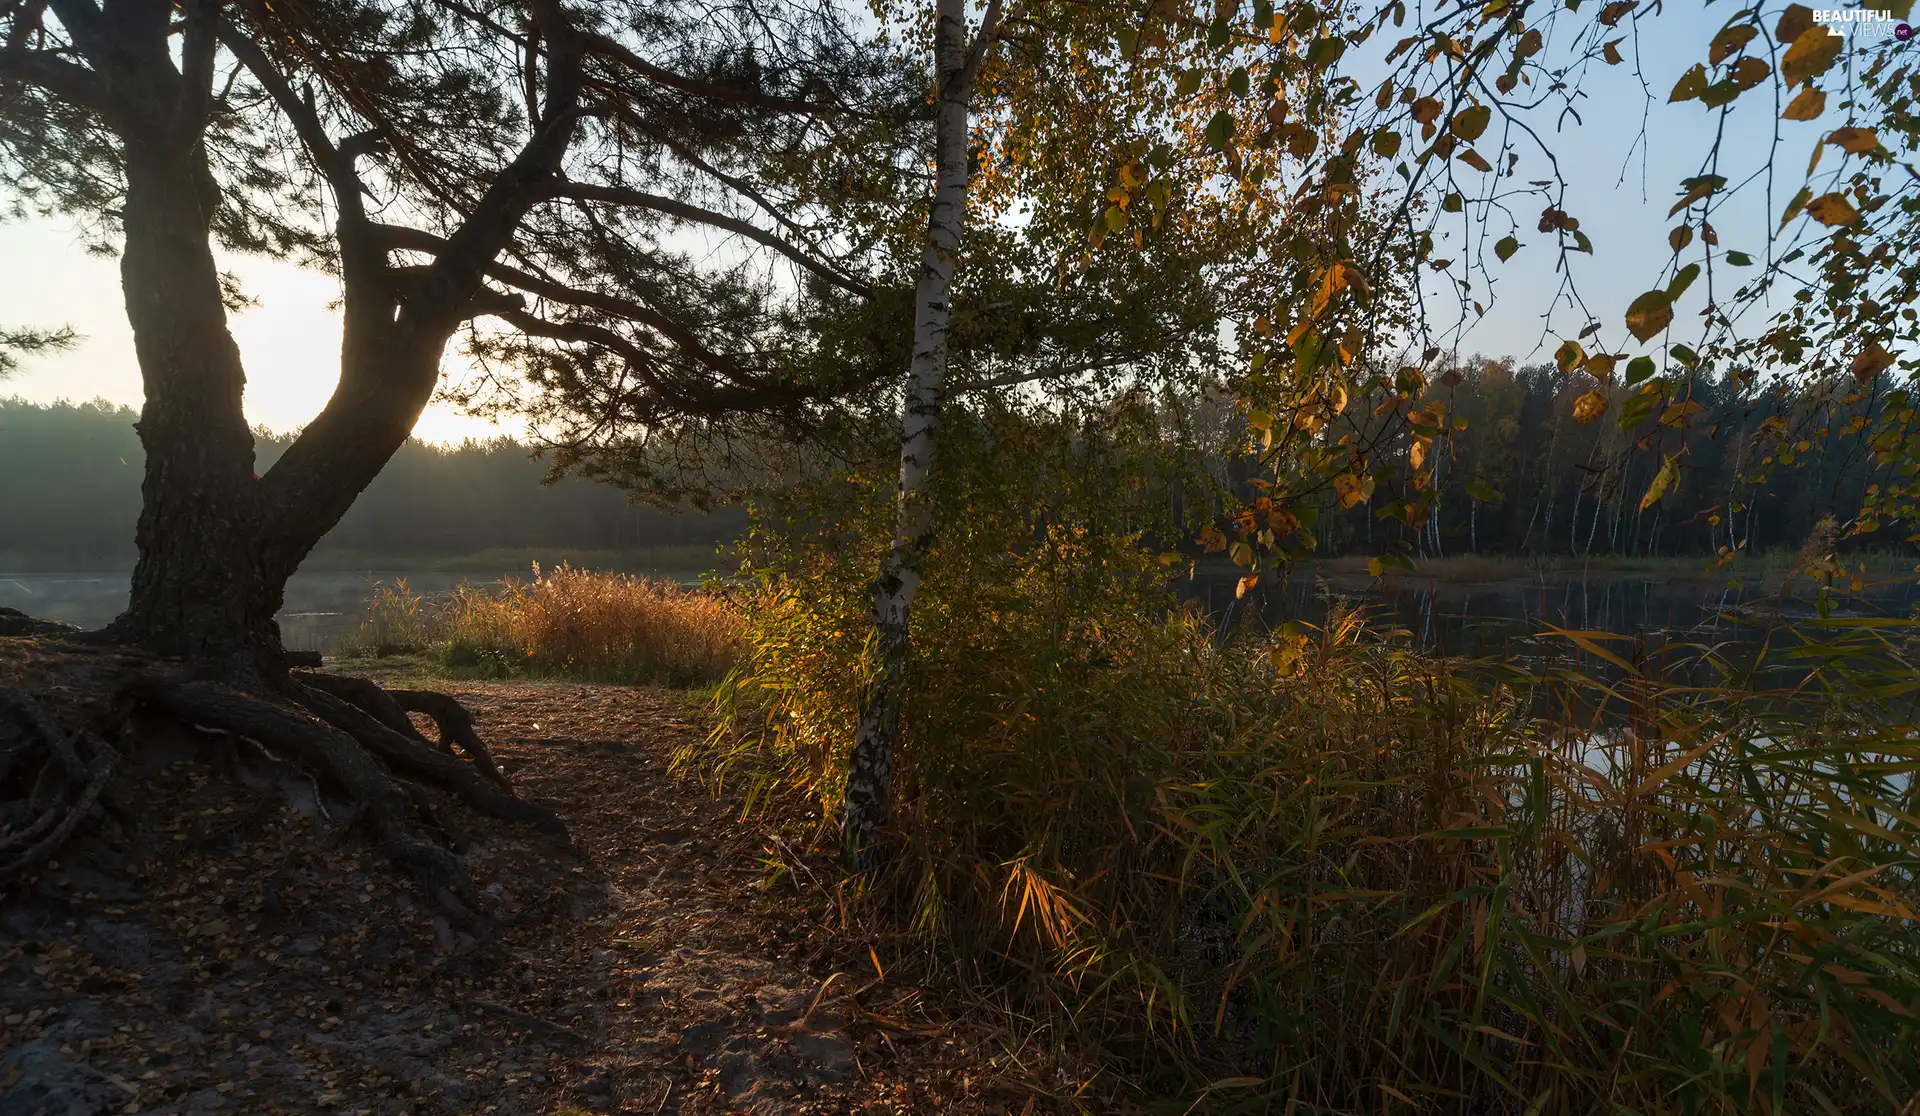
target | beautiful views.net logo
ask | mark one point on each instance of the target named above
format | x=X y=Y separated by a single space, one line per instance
x=1870 y=23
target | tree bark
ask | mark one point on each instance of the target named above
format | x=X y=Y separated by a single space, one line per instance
x=198 y=590
x=216 y=543
x=868 y=797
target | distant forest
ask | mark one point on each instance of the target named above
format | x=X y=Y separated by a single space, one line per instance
x=70 y=494
x=1760 y=468
x=1523 y=478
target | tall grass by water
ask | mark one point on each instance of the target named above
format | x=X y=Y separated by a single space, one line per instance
x=562 y=622
x=1320 y=872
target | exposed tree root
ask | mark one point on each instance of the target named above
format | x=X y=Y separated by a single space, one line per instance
x=368 y=696
x=456 y=728
x=348 y=734
x=72 y=772
x=340 y=761
x=410 y=756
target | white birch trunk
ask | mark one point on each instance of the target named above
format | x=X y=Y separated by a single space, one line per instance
x=868 y=798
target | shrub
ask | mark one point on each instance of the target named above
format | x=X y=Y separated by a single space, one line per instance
x=564 y=622
x=1322 y=872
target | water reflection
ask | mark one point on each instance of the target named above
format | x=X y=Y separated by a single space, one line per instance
x=1502 y=617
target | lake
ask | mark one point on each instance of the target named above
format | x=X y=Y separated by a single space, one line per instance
x=322 y=608
x=1487 y=617
x=1455 y=617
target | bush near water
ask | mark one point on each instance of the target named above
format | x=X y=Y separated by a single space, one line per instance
x=599 y=627
x=1319 y=871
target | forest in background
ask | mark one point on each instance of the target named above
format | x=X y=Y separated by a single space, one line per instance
x=73 y=494
x=1525 y=478
x=1540 y=466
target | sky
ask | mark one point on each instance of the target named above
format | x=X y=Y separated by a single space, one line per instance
x=290 y=340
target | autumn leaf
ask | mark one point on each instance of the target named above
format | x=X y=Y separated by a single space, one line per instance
x=1833 y=209
x=1611 y=51
x=1426 y=110
x=1475 y=160
x=1728 y=42
x=1590 y=406
x=1679 y=238
x=1213 y=540
x=1469 y=123
x=1599 y=366
x=1569 y=356
x=1353 y=490
x=1613 y=13
x=1810 y=55
x=1662 y=481
x=1386 y=143
x=1871 y=361
x=1807 y=105
x=1749 y=72
x=1794 y=22
x=1854 y=141
x=1649 y=314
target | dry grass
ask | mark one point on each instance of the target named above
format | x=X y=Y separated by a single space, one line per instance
x=563 y=622
x=1328 y=874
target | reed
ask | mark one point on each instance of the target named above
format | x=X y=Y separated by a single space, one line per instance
x=1321 y=872
x=563 y=622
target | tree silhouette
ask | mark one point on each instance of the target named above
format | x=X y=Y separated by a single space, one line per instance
x=616 y=201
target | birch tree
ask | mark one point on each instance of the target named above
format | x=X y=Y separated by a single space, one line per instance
x=869 y=787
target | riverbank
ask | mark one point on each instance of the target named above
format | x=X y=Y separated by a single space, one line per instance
x=1757 y=571
x=682 y=562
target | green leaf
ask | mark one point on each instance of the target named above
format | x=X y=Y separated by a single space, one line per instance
x=1325 y=52
x=1638 y=369
x=1685 y=355
x=1682 y=279
x=1220 y=130
x=1237 y=83
x=1116 y=218
x=1649 y=314
x=1794 y=207
x=1691 y=84
x=1719 y=93
x=1189 y=84
x=1506 y=247
x=1219 y=33
x=1482 y=492
x=1739 y=259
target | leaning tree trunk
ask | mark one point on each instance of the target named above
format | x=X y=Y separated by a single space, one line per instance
x=198 y=590
x=868 y=797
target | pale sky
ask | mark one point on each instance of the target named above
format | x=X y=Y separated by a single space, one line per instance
x=290 y=341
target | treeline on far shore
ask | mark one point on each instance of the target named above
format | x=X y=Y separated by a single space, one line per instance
x=70 y=495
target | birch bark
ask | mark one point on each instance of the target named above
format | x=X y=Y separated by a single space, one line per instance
x=867 y=803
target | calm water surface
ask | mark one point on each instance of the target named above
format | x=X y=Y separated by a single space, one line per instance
x=1471 y=618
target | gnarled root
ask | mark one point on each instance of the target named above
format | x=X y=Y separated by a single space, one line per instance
x=337 y=758
x=412 y=757
x=69 y=773
x=348 y=734
x=456 y=728
x=355 y=736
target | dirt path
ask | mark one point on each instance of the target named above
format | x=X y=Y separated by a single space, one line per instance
x=254 y=957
